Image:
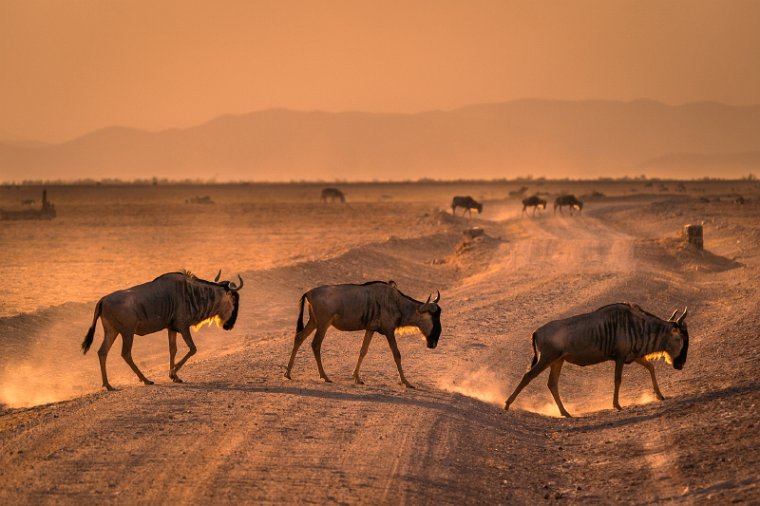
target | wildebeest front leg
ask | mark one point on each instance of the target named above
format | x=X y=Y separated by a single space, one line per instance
x=650 y=368
x=553 y=385
x=126 y=354
x=190 y=352
x=397 y=358
x=172 y=355
x=618 y=379
x=365 y=346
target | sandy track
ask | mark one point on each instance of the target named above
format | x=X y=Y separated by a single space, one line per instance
x=239 y=432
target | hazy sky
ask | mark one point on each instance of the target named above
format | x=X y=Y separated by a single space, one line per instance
x=71 y=66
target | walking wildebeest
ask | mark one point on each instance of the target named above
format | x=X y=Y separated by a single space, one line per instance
x=375 y=306
x=174 y=301
x=332 y=194
x=535 y=202
x=567 y=200
x=621 y=332
x=468 y=203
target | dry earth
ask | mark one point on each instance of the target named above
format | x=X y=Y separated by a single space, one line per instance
x=238 y=431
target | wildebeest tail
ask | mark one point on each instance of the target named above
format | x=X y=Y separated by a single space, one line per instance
x=535 y=353
x=91 y=333
x=299 y=323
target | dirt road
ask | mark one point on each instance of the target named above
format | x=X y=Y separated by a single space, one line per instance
x=238 y=431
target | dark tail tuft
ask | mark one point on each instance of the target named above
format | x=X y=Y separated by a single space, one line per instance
x=91 y=333
x=535 y=354
x=299 y=323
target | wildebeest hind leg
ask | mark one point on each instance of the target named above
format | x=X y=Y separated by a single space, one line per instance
x=534 y=371
x=299 y=339
x=365 y=346
x=618 y=380
x=316 y=346
x=553 y=385
x=649 y=367
x=397 y=358
x=126 y=354
x=109 y=337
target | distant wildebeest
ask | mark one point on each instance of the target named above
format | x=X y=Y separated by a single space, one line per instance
x=519 y=192
x=333 y=194
x=174 y=301
x=535 y=202
x=375 y=306
x=567 y=200
x=468 y=203
x=621 y=332
x=27 y=202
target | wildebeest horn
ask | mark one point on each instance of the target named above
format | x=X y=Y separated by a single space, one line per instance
x=680 y=318
x=437 y=297
x=241 y=283
x=429 y=297
x=673 y=316
x=218 y=275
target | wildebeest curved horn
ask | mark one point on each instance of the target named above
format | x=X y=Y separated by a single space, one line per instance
x=680 y=318
x=241 y=283
x=429 y=297
x=437 y=297
x=673 y=316
x=218 y=275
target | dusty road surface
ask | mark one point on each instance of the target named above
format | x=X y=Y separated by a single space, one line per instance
x=238 y=431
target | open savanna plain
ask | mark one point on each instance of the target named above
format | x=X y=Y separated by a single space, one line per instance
x=237 y=431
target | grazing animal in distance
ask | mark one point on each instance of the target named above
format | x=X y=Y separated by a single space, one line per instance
x=333 y=194
x=518 y=193
x=375 y=306
x=468 y=203
x=621 y=332
x=175 y=301
x=535 y=202
x=569 y=201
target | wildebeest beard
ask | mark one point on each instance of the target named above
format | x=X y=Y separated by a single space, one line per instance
x=680 y=360
x=233 y=317
x=432 y=339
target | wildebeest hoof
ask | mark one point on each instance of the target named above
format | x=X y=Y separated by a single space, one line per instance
x=287 y=375
x=358 y=381
x=110 y=388
x=408 y=385
x=661 y=397
x=327 y=380
x=148 y=382
x=567 y=415
x=618 y=407
x=176 y=379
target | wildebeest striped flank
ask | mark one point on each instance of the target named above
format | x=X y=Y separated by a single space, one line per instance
x=621 y=332
x=174 y=301
x=375 y=306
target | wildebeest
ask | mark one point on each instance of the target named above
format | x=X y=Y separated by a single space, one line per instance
x=174 y=301
x=375 y=306
x=332 y=194
x=467 y=202
x=535 y=202
x=621 y=332
x=567 y=200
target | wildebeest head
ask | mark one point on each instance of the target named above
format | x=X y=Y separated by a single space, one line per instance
x=429 y=320
x=478 y=206
x=678 y=344
x=231 y=302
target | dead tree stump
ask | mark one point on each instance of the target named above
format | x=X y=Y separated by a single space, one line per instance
x=693 y=235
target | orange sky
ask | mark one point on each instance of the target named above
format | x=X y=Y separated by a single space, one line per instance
x=68 y=67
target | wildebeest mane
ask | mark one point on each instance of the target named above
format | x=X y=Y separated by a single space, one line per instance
x=633 y=306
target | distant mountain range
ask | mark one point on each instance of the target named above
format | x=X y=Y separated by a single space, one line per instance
x=519 y=138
